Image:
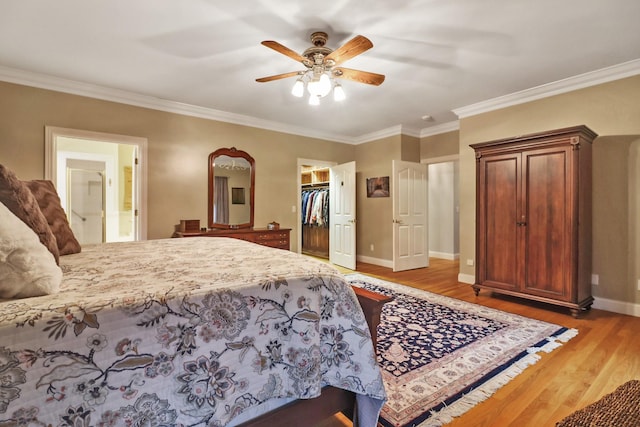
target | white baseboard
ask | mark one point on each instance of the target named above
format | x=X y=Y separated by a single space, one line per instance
x=375 y=261
x=622 y=307
x=466 y=278
x=444 y=255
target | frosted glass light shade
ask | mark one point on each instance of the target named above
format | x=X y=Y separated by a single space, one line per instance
x=298 y=89
x=314 y=100
x=319 y=86
x=338 y=93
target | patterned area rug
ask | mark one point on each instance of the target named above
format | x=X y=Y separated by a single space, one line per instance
x=441 y=356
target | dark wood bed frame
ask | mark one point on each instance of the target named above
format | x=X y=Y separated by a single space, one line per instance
x=332 y=400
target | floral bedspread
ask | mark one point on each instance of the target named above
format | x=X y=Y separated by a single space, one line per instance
x=181 y=332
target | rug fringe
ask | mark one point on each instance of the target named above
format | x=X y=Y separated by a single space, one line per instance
x=562 y=338
x=486 y=390
x=567 y=335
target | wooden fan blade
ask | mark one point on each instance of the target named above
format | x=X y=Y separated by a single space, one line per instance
x=359 y=76
x=283 y=50
x=352 y=48
x=277 y=77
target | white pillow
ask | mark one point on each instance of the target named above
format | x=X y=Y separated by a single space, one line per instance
x=27 y=268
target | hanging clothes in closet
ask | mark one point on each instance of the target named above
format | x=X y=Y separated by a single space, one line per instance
x=315 y=221
x=315 y=207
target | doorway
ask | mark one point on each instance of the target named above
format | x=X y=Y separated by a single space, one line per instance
x=444 y=207
x=337 y=229
x=313 y=176
x=101 y=181
x=85 y=200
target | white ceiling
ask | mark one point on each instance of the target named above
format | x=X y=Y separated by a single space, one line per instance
x=204 y=55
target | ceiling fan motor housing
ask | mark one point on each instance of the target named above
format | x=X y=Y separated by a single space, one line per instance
x=318 y=51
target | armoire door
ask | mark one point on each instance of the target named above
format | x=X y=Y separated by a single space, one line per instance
x=499 y=207
x=547 y=222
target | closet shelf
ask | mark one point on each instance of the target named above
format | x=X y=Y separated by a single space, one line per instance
x=314 y=176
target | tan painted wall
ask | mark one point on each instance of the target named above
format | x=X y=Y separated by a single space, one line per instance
x=178 y=147
x=409 y=149
x=441 y=145
x=612 y=110
x=374 y=215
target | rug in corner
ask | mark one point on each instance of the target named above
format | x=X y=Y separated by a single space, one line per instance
x=441 y=356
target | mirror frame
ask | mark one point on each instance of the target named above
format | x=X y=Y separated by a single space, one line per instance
x=231 y=152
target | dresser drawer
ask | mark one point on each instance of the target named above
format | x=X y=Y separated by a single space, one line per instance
x=278 y=235
x=278 y=239
x=273 y=238
x=278 y=244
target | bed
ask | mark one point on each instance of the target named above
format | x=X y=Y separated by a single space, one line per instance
x=172 y=332
x=198 y=331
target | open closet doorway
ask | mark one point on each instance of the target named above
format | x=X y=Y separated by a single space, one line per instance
x=313 y=204
x=101 y=181
x=326 y=207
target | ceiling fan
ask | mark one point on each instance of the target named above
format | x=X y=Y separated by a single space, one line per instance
x=322 y=67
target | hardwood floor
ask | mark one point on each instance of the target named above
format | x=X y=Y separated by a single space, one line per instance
x=604 y=354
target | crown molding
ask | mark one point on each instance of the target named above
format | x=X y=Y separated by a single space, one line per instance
x=43 y=81
x=383 y=133
x=441 y=128
x=410 y=131
x=604 y=75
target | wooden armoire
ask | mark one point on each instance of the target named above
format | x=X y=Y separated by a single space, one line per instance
x=533 y=217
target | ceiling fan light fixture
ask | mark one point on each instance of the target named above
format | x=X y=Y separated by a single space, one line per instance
x=338 y=93
x=323 y=67
x=298 y=88
x=319 y=86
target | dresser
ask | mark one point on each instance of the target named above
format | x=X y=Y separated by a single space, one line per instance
x=278 y=238
x=534 y=217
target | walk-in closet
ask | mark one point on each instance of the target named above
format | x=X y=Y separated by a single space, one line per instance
x=314 y=210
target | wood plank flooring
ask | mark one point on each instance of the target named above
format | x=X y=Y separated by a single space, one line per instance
x=604 y=354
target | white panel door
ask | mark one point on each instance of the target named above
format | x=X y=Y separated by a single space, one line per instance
x=86 y=200
x=342 y=215
x=410 y=237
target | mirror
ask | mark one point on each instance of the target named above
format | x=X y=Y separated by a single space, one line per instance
x=231 y=188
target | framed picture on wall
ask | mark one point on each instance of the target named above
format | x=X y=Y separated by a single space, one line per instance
x=237 y=195
x=378 y=187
